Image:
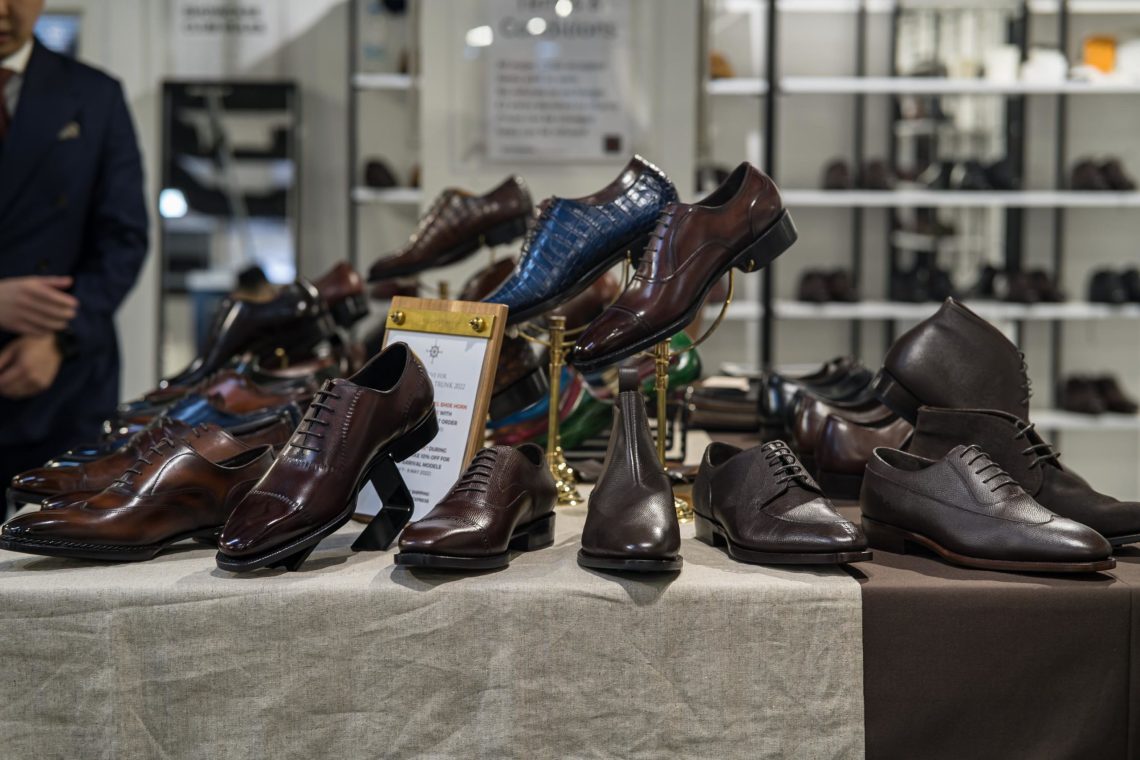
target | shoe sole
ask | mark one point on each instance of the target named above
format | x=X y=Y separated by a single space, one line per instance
x=388 y=521
x=712 y=533
x=891 y=539
x=102 y=552
x=501 y=234
x=538 y=534
x=629 y=565
x=1134 y=538
x=779 y=237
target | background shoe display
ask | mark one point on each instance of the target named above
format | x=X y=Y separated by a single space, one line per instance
x=818 y=286
x=504 y=500
x=837 y=176
x=1095 y=395
x=1108 y=286
x=967 y=510
x=631 y=523
x=457 y=225
x=876 y=174
x=1114 y=398
x=761 y=506
x=1108 y=175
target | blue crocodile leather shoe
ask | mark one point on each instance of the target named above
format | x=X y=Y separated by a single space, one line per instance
x=575 y=240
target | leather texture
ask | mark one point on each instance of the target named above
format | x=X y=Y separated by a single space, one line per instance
x=630 y=514
x=691 y=248
x=487 y=280
x=176 y=488
x=1018 y=449
x=574 y=240
x=966 y=503
x=766 y=502
x=339 y=283
x=841 y=380
x=453 y=227
x=502 y=489
x=811 y=413
x=844 y=446
x=315 y=479
x=955 y=359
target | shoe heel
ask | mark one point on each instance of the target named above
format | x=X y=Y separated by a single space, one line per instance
x=507 y=232
x=706 y=532
x=895 y=397
x=293 y=562
x=415 y=439
x=351 y=310
x=538 y=535
x=765 y=249
x=882 y=536
x=397 y=507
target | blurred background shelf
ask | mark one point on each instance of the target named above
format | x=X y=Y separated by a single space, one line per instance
x=893 y=310
x=946 y=86
x=1057 y=421
x=886 y=6
x=395 y=196
x=961 y=198
x=364 y=81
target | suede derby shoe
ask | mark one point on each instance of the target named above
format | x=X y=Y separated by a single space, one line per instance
x=742 y=224
x=953 y=359
x=1017 y=448
x=503 y=501
x=355 y=430
x=968 y=511
x=573 y=241
x=175 y=490
x=631 y=521
x=763 y=507
x=457 y=225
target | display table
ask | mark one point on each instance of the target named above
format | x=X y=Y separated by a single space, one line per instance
x=355 y=658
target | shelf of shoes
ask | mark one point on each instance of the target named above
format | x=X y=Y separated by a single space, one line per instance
x=364 y=81
x=961 y=198
x=886 y=6
x=394 y=196
x=894 y=310
x=754 y=86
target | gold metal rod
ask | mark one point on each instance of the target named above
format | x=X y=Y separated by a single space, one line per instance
x=661 y=372
x=557 y=329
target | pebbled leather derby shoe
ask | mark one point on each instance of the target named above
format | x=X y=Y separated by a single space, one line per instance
x=355 y=430
x=761 y=506
x=631 y=522
x=176 y=489
x=457 y=225
x=844 y=446
x=505 y=500
x=1017 y=448
x=953 y=359
x=575 y=240
x=968 y=511
x=741 y=224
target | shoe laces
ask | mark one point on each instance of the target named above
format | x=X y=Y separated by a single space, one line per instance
x=541 y=214
x=1026 y=383
x=157 y=449
x=783 y=463
x=477 y=477
x=998 y=474
x=312 y=419
x=1041 y=452
x=657 y=236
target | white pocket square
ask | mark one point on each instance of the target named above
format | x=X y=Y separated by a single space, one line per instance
x=69 y=132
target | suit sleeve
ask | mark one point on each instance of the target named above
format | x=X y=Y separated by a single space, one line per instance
x=116 y=232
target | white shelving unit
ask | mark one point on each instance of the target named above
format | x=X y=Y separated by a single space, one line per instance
x=365 y=81
x=960 y=199
x=394 y=196
x=1059 y=421
x=1089 y=7
x=754 y=86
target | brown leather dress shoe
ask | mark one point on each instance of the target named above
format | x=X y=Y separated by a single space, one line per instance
x=505 y=500
x=631 y=522
x=741 y=224
x=844 y=446
x=174 y=491
x=342 y=290
x=458 y=224
x=355 y=430
x=811 y=413
x=762 y=507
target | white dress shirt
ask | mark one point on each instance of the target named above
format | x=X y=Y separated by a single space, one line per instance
x=17 y=62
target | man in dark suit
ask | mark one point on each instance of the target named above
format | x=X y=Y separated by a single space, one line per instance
x=73 y=236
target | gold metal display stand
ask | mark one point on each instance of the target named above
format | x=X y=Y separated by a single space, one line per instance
x=568 y=495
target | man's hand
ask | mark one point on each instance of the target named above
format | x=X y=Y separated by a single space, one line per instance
x=28 y=366
x=36 y=305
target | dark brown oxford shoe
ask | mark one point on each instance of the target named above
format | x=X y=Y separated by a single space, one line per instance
x=177 y=489
x=763 y=507
x=505 y=500
x=965 y=508
x=742 y=224
x=844 y=446
x=1018 y=449
x=457 y=225
x=355 y=430
x=631 y=521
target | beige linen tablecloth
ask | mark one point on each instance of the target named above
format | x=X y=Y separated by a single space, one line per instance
x=356 y=658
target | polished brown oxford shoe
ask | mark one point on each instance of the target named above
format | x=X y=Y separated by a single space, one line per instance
x=457 y=225
x=953 y=359
x=811 y=412
x=342 y=290
x=631 y=521
x=844 y=446
x=355 y=430
x=1018 y=449
x=177 y=489
x=742 y=224
x=967 y=510
x=763 y=507
x=503 y=501
x=487 y=280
